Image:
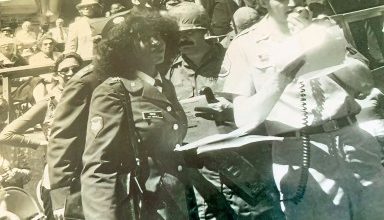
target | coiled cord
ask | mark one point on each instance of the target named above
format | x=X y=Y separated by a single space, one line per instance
x=306 y=153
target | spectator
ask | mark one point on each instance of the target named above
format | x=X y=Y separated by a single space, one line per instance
x=26 y=37
x=115 y=8
x=42 y=113
x=80 y=39
x=6 y=32
x=59 y=34
x=46 y=54
x=243 y=18
x=220 y=13
x=8 y=55
x=43 y=31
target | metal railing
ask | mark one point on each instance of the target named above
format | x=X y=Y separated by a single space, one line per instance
x=8 y=74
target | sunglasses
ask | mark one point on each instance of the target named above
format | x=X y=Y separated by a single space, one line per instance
x=65 y=71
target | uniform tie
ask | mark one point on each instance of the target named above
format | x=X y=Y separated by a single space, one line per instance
x=61 y=34
x=158 y=83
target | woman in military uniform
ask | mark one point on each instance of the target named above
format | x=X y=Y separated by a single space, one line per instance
x=135 y=122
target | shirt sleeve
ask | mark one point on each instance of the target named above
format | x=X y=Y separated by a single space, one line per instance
x=13 y=134
x=102 y=155
x=66 y=143
x=236 y=68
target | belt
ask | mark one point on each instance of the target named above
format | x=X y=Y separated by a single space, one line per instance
x=328 y=126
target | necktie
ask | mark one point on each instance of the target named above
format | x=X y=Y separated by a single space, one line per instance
x=158 y=83
x=61 y=34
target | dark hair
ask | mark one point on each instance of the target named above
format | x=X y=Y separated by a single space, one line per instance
x=115 y=53
x=64 y=56
x=43 y=38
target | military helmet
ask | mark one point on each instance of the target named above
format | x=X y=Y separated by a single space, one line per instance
x=190 y=16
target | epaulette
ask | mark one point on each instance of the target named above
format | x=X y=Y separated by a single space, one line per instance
x=113 y=80
x=85 y=71
x=256 y=29
x=246 y=31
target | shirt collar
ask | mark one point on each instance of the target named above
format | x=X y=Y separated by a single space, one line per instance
x=147 y=78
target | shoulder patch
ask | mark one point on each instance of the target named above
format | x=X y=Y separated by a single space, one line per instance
x=96 y=124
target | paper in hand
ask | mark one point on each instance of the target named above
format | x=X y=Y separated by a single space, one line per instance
x=324 y=49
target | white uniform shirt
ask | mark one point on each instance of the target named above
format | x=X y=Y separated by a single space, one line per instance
x=249 y=66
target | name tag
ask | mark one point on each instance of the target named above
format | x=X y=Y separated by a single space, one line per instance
x=155 y=114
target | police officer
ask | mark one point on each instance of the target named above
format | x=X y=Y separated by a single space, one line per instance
x=198 y=66
x=344 y=179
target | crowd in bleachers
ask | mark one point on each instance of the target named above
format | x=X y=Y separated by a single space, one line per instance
x=219 y=22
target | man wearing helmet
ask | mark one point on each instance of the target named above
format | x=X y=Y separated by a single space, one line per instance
x=198 y=66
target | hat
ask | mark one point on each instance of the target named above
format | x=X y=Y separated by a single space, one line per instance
x=101 y=26
x=245 y=17
x=6 y=29
x=6 y=41
x=87 y=2
x=190 y=16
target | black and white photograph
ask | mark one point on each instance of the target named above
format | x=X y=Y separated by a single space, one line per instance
x=191 y=109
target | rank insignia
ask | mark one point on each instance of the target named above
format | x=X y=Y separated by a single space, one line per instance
x=96 y=124
x=154 y=114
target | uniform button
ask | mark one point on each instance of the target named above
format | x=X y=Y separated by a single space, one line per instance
x=133 y=84
x=177 y=145
x=175 y=126
x=179 y=168
x=169 y=108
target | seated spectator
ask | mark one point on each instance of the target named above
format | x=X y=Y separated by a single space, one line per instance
x=115 y=8
x=26 y=37
x=59 y=34
x=43 y=31
x=42 y=113
x=6 y=32
x=46 y=54
x=8 y=55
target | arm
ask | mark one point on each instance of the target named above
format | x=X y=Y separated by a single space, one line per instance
x=102 y=153
x=66 y=143
x=251 y=108
x=13 y=134
x=356 y=77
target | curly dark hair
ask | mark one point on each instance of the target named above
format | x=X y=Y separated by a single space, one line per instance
x=115 y=52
